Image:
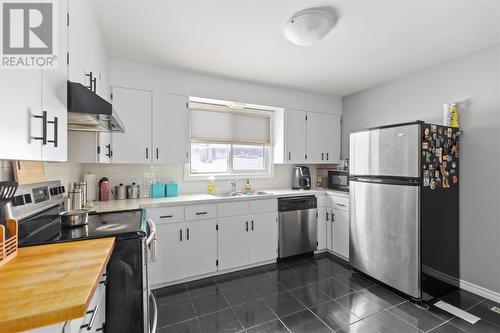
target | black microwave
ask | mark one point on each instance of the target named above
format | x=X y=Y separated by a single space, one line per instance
x=338 y=180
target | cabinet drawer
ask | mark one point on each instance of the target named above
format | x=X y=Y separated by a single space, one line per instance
x=340 y=203
x=94 y=311
x=263 y=206
x=232 y=209
x=167 y=214
x=200 y=212
x=323 y=200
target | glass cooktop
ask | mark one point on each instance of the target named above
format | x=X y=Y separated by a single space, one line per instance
x=46 y=228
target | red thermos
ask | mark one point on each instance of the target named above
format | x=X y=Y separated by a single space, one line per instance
x=104 y=189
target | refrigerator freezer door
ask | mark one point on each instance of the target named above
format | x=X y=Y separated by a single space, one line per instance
x=385 y=235
x=391 y=151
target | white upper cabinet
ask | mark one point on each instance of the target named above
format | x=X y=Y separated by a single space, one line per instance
x=79 y=14
x=134 y=107
x=54 y=94
x=20 y=105
x=33 y=112
x=306 y=137
x=295 y=133
x=323 y=138
x=170 y=129
x=88 y=60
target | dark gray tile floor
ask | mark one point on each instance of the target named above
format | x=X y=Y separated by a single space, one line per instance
x=308 y=294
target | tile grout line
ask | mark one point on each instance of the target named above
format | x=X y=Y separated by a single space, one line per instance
x=262 y=299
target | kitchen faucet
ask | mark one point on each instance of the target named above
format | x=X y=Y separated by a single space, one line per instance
x=233 y=185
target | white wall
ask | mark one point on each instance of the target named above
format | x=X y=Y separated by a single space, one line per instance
x=130 y=74
x=474 y=81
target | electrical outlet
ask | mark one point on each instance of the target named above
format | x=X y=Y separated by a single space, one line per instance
x=495 y=309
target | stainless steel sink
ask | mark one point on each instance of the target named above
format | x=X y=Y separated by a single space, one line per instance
x=240 y=194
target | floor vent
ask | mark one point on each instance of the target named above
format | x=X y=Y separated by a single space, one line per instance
x=457 y=312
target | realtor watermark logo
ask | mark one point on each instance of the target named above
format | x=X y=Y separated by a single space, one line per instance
x=28 y=35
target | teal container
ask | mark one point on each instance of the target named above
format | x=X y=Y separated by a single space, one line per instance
x=172 y=189
x=158 y=190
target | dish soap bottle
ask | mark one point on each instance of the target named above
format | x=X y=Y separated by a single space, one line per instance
x=248 y=188
x=211 y=185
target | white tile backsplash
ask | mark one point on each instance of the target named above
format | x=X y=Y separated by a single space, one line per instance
x=145 y=174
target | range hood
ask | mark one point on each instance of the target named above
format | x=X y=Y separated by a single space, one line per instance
x=89 y=112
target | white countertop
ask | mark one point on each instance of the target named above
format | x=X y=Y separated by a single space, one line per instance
x=202 y=198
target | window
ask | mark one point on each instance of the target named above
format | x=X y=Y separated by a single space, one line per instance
x=209 y=158
x=229 y=141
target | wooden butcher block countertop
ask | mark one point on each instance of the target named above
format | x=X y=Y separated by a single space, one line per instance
x=53 y=283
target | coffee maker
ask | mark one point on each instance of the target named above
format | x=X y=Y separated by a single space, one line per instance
x=301 y=179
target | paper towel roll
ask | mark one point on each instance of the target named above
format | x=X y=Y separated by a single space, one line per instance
x=91 y=181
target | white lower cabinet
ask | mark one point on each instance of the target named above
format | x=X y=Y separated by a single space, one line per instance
x=339 y=226
x=340 y=232
x=197 y=240
x=249 y=239
x=322 y=234
x=234 y=242
x=200 y=247
x=185 y=248
x=169 y=265
x=263 y=237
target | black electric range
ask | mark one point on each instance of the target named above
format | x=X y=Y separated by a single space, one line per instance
x=130 y=305
x=45 y=227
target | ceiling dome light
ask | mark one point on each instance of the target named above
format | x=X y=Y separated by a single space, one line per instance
x=309 y=26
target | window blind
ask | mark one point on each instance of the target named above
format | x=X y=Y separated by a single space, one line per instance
x=221 y=124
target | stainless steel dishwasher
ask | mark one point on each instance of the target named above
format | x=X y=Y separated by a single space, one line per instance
x=298 y=225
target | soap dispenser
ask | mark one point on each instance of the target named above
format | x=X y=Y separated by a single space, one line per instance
x=248 y=188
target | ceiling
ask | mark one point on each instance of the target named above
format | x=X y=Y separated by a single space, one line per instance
x=374 y=40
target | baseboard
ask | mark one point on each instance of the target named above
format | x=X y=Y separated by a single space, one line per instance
x=465 y=285
x=211 y=274
x=481 y=291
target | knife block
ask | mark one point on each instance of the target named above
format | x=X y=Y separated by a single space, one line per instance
x=8 y=246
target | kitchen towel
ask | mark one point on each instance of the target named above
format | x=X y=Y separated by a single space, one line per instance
x=152 y=244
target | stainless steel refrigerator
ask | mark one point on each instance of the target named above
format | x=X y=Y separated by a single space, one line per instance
x=404 y=207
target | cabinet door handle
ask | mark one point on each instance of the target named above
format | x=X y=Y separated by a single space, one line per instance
x=94 y=82
x=92 y=318
x=322 y=156
x=180 y=234
x=147 y=153
x=90 y=75
x=327 y=156
x=327 y=216
x=246 y=228
x=56 y=130
x=166 y=216
x=109 y=150
x=201 y=213
x=44 y=128
x=157 y=154
x=341 y=205
x=333 y=217
x=252 y=225
x=187 y=233
x=289 y=156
